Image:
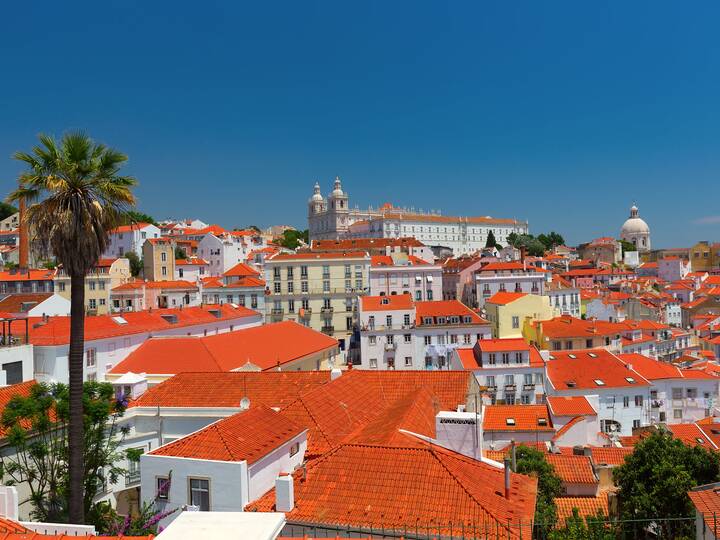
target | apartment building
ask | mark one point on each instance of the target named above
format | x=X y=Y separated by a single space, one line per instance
x=127 y=238
x=398 y=333
x=104 y=277
x=400 y=273
x=319 y=290
x=159 y=259
x=508 y=277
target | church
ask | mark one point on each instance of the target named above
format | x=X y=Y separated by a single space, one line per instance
x=636 y=231
x=332 y=218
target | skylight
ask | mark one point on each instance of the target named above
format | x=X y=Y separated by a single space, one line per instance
x=699 y=440
x=599 y=382
x=572 y=356
x=542 y=421
x=510 y=421
x=570 y=384
x=592 y=355
x=120 y=320
x=630 y=380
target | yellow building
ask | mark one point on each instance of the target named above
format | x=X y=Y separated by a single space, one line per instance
x=108 y=274
x=318 y=290
x=567 y=333
x=159 y=259
x=509 y=311
x=704 y=256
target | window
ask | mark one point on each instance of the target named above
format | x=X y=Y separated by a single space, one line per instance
x=588 y=343
x=636 y=424
x=525 y=399
x=253 y=301
x=294 y=449
x=373 y=363
x=428 y=340
x=638 y=401
x=677 y=414
x=291 y=287
x=516 y=321
x=276 y=287
x=518 y=358
x=90 y=357
x=200 y=494
x=505 y=358
x=92 y=303
x=163 y=256
x=406 y=319
x=408 y=361
x=491 y=358
x=490 y=381
x=677 y=393
x=390 y=339
x=326 y=286
x=626 y=401
x=429 y=294
x=163 y=487
x=388 y=320
x=692 y=393
x=289 y=273
x=528 y=378
x=91 y=285
x=276 y=272
x=303 y=271
x=372 y=340
x=408 y=338
x=418 y=295
x=304 y=286
x=291 y=306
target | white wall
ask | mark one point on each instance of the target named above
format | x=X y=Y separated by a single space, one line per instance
x=55 y=305
x=262 y=473
x=20 y=353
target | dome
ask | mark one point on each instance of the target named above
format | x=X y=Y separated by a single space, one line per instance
x=316 y=196
x=337 y=192
x=634 y=224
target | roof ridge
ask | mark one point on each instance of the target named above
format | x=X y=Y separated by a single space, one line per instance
x=222 y=438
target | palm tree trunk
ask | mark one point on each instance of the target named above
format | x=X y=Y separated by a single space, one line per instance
x=76 y=355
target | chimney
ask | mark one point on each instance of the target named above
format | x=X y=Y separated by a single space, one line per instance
x=284 y=493
x=513 y=455
x=335 y=373
x=507 y=478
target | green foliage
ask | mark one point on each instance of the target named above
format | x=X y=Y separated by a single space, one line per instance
x=627 y=246
x=491 y=242
x=535 y=246
x=136 y=264
x=6 y=210
x=9 y=265
x=533 y=463
x=49 y=264
x=655 y=479
x=144 y=523
x=37 y=432
x=133 y=216
x=180 y=253
x=291 y=238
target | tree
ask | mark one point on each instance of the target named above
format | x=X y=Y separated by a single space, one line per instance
x=37 y=430
x=136 y=263
x=533 y=463
x=6 y=210
x=180 y=253
x=76 y=195
x=291 y=238
x=491 y=242
x=591 y=528
x=655 y=479
x=627 y=246
x=133 y=216
x=551 y=240
x=512 y=239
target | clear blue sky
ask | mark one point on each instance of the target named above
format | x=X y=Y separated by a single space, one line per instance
x=561 y=113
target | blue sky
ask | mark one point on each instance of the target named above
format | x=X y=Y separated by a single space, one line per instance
x=562 y=113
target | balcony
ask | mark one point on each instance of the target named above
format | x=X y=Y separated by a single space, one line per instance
x=656 y=403
x=327 y=309
x=305 y=313
x=528 y=387
x=132 y=478
x=390 y=346
x=329 y=330
x=492 y=389
x=510 y=388
x=277 y=313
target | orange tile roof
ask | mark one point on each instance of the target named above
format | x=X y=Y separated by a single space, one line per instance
x=590 y=369
x=503 y=345
x=517 y=418
x=242 y=270
x=570 y=406
x=200 y=390
x=131 y=227
x=407 y=488
x=503 y=298
x=610 y=455
x=15 y=302
x=573 y=469
x=566 y=326
x=409 y=216
x=503 y=266
x=692 y=435
x=335 y=412
x=194 y=261
x=245 y=436
x=387 y=260
x=445 y=308
x=246 y=282
x=386 y=303
x=586 y=506
x=168 y=284
x=707 y=502
x=653 y=369
x=318 y=256
x=22 y=389
x=56 y=331
x=30 y=275
x=267 y=347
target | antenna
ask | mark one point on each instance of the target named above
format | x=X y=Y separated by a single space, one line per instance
x=245 y=403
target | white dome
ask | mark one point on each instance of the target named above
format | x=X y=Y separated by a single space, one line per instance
x=337 y=192
x=635 y=225
x=316 y=196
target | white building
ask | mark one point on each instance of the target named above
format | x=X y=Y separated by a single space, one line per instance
x=223 y=250
x=109 y=339
x=130 y=238
x=219 y=468
x=399 y=333
x=564 y=297
x=673 y=269
x=511 y=370
x=192 y=269
x=332 y=218
x=509 y=277
x=400 y=273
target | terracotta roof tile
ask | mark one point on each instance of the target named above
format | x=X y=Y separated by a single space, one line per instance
x=573 y=469
x=503 y=298
x=590 y=369
x=517 y=418
x=570 y=406
x=586 y=506
x=610 y=455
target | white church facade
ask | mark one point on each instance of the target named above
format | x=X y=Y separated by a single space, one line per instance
x=332 y=218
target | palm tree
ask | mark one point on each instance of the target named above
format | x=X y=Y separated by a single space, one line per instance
x=75 y=196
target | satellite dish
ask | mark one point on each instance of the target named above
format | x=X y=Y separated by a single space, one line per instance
x=245 y=403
